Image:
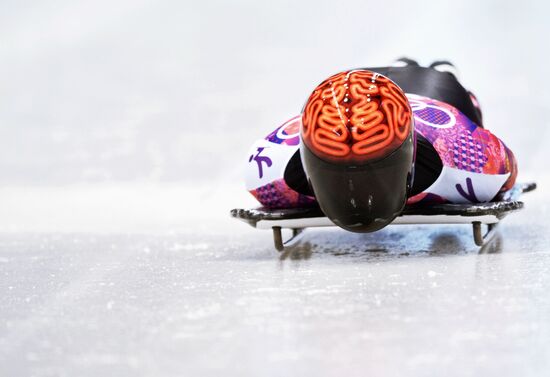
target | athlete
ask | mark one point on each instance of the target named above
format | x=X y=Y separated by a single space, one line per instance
x=371 y=141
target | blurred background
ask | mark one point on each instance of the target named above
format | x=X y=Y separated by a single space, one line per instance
x=147 y=92
x=124 y=129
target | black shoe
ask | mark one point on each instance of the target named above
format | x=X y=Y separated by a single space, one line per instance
x=445 y=66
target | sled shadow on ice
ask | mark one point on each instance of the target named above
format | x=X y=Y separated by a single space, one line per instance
x=396 y=242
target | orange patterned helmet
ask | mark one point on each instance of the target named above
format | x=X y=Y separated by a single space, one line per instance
x=358 y=149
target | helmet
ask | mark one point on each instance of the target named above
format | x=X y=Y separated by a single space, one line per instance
x=358 y=149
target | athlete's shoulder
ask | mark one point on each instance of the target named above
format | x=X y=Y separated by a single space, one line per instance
x=476 y=164
x=267 y=162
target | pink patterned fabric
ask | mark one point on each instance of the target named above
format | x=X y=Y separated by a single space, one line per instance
x=278 y=194
x=460 y=143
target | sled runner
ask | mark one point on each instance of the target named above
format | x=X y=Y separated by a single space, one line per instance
x=490 y=214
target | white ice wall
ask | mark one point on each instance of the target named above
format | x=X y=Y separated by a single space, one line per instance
x=135 y=95
x=176 y=91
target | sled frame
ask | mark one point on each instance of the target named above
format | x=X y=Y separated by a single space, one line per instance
x=490 y=214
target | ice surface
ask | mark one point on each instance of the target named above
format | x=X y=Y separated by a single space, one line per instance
x=123 y=127
x=409 y=300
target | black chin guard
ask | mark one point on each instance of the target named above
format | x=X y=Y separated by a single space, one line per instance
x=363 y=197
